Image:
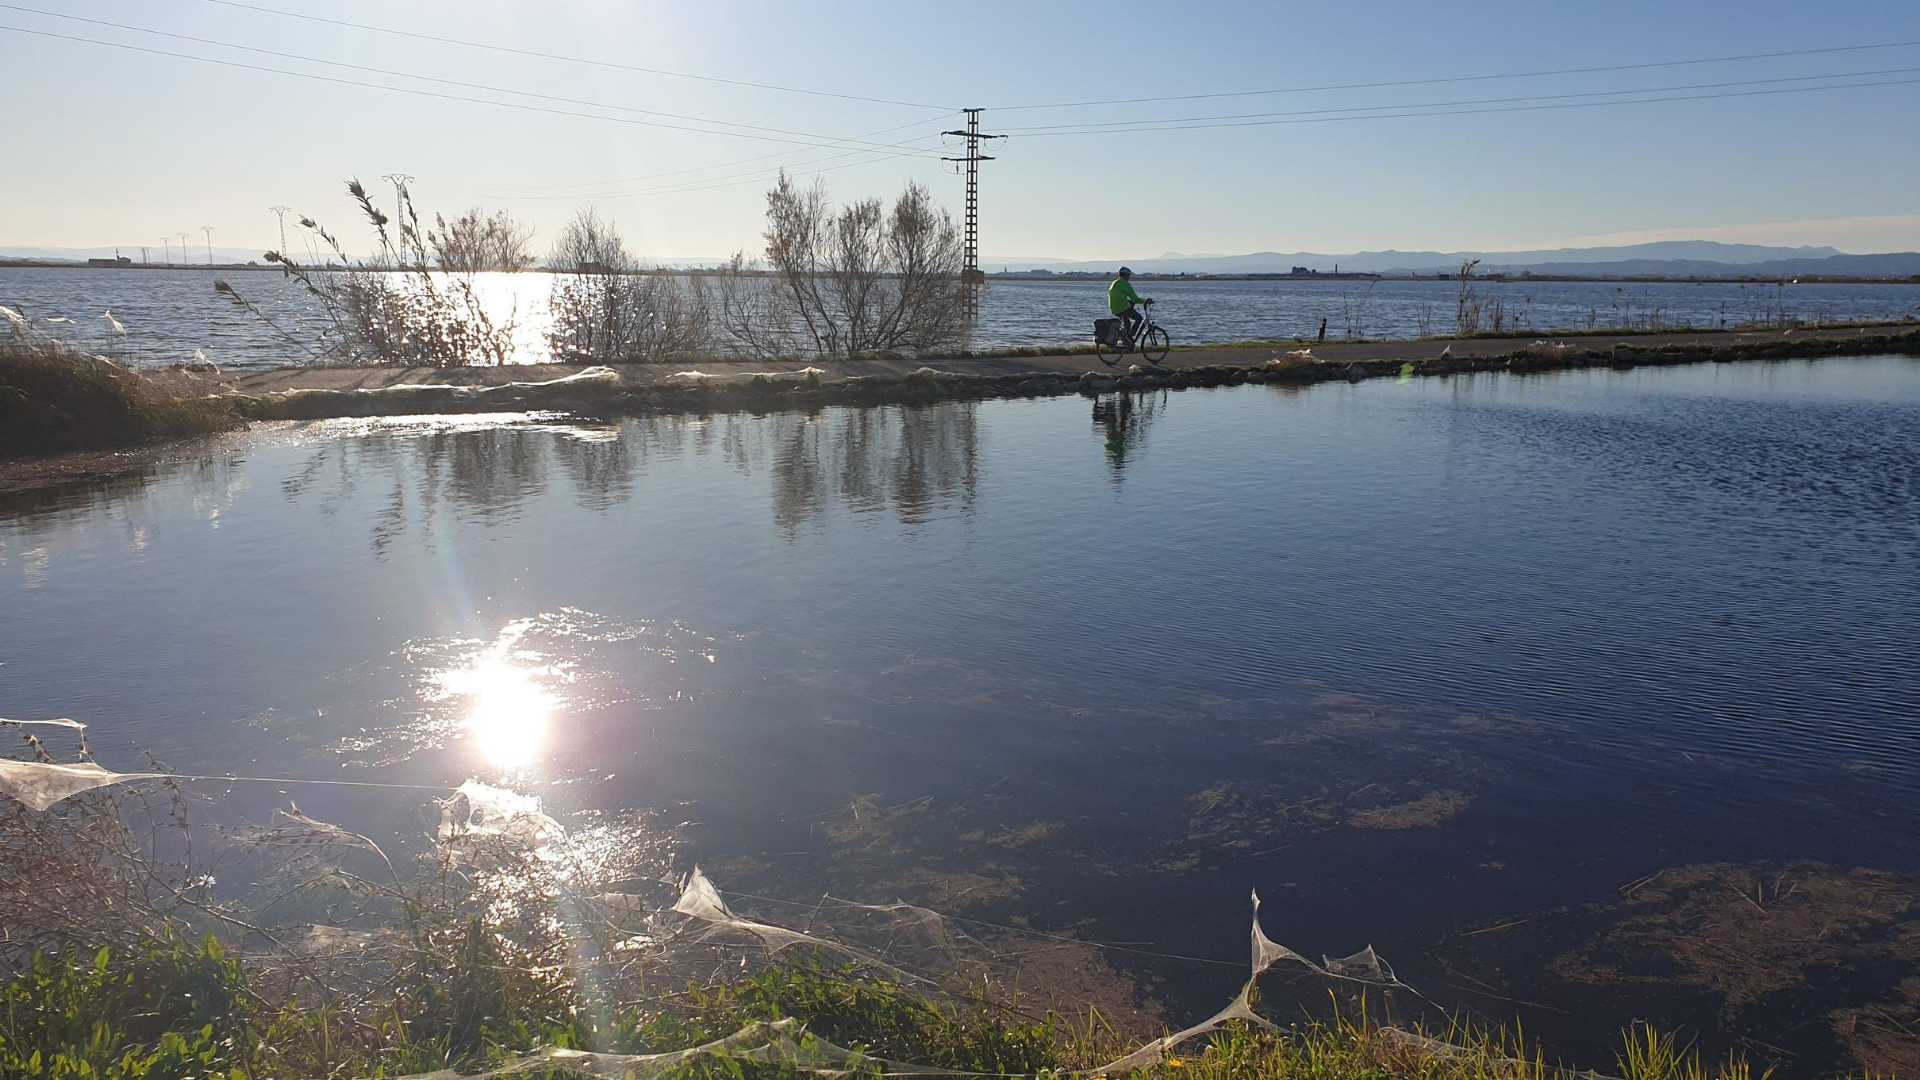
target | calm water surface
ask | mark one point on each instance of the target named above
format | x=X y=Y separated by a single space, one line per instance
x=168 y=314
x=1412 y=659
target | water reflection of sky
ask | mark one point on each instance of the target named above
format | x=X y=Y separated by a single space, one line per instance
x=1409 y=658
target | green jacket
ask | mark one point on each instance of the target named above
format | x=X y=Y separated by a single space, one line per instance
x=1120 y=295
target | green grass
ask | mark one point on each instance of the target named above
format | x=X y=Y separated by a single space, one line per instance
x=180 y=1012
x=55 y=398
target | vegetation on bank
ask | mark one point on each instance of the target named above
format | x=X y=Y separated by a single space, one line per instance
x=836 y=281
x=174 y=1011
x=56 y=398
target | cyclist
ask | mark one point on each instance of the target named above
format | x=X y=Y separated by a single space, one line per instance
x=1121 y=300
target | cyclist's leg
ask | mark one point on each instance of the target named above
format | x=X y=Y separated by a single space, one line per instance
x=1133 y=320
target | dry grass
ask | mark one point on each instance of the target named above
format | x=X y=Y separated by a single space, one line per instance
x=56 y=398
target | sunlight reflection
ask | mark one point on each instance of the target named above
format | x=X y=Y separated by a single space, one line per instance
x=509 y=712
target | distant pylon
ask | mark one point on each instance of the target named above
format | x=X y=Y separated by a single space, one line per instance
x=971 y=275
x=281 y=213
x=399 y=180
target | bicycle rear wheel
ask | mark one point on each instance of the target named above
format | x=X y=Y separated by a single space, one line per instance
x=1107 y=353
x=1154 y=344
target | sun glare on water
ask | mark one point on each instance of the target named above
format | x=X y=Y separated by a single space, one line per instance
x=508 y=713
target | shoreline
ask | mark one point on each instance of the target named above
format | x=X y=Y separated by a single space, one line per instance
x=1076 y=277
x=311 y=393
x=709 y=386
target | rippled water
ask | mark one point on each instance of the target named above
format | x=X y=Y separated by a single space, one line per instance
x=1412 y=659
x=170 y=313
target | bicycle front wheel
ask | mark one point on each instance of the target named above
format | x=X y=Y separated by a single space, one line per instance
x=1154 y=344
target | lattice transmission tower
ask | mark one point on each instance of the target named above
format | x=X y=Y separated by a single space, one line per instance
x=971 y=275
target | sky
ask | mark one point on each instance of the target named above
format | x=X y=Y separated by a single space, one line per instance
x=113 y=147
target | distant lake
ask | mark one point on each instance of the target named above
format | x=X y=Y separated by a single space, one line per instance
x=169 y=314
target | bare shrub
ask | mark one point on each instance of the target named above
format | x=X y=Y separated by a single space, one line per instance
x=402 y=307
x=605 y=310
x=1358 y=313
x=1467 y=302
x=863 y=278
x=476 y=242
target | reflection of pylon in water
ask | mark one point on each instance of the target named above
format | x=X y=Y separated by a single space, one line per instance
x=971 y=275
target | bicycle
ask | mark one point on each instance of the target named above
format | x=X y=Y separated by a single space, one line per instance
x=1110 y=340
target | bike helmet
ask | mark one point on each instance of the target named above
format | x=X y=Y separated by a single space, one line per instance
x=1126 y=271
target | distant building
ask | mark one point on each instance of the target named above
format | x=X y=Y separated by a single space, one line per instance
x=117 y=260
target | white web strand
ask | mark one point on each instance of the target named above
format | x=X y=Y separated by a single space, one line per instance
x=39 y=784
x=501 y=812
x=700 y=900
x=63 y=722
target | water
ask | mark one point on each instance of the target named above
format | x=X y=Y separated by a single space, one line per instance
x=1414 y=659
x=171 y=313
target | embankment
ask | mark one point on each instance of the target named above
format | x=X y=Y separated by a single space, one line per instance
x=317 y=393
x=130 y=420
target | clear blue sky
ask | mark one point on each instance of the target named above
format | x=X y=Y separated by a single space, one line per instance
x=108 y=147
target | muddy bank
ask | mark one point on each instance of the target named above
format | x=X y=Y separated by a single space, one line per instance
x=310 y=394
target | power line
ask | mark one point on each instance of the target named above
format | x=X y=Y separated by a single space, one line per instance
x=1463 y=78
x=1478 y=112
x=407 y=74
x=692 y=187
x=551 y=192
x=707 y=183
x=570 y=59
x=415 y=90
x=860 y=140
x=1123 y=125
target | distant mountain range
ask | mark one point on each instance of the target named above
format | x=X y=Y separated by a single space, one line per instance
x=1677 y=258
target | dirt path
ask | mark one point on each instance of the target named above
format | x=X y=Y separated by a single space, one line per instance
x=361 y=378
